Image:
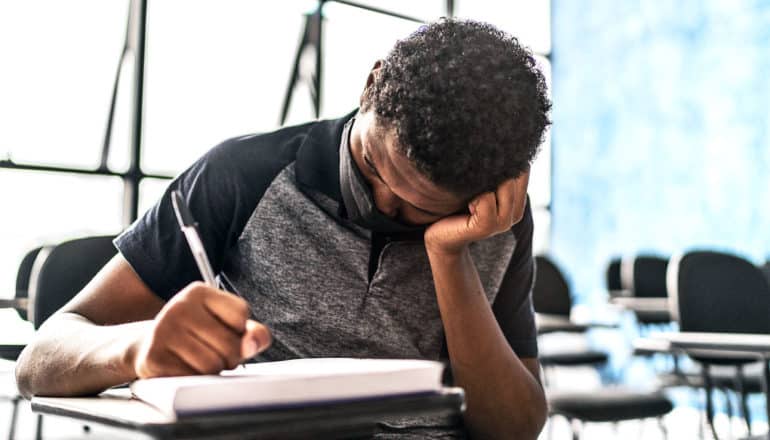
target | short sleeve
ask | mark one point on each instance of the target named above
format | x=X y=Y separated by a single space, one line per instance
x=513 y=304
x=222 y=190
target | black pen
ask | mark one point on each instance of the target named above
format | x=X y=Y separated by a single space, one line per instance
x=190 y=229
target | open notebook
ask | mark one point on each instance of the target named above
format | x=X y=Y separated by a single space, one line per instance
x=283 y=384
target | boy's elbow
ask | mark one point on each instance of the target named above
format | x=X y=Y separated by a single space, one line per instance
x=25 y=375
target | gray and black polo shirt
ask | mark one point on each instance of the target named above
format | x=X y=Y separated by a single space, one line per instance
x=272 y=219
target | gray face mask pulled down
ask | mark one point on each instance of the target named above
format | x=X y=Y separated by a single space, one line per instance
x=357 y=195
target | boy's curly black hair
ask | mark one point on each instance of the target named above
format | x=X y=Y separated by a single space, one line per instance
x=467 y=102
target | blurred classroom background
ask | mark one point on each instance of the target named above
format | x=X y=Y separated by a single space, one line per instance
x=659 y=150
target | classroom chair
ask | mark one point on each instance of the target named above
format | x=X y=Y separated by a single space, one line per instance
x=20 y=305
x=719 y=292
x=61 y=271
x=22 y=281
x=49 y=276
x=552 y=295
x=644 y=276
x=612 y=279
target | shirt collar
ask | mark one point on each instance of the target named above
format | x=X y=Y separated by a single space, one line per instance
x=318 y=158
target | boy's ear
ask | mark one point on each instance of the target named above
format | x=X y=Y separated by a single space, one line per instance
x=370 y=79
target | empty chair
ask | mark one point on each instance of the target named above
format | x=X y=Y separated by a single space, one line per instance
x=22 y=281
x=613 y=404
x=766 y=269
x=552 y=296
x=644 y=276
x=11 y=353
x=52 y=275
x=718 y=292
x=61 y=271
x=613 y=280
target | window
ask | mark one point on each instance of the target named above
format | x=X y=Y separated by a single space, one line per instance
x=214 y=70
x=40 y=208
x=55 y=89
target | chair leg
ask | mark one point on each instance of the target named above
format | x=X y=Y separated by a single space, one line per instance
x=662 y=426
x=740 y=387
x=709 y=400
x=14 y=416
x=576 y=428
x=729 y=409
x=39 y=428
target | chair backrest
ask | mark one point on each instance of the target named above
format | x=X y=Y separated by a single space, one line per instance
x=718 y=292
x=61 y=271
x=22 y=279
x=766 y=269
x=551 y=294
x=645 y=276
x=612 y=276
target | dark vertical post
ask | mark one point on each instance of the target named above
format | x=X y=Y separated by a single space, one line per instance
x=319 y=19
x=295 y=69
x=134 y=174
x=450 y=8
x=111 y=115
x=552 y=158
x=766 y=386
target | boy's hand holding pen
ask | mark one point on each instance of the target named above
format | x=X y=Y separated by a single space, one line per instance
x=202 y=329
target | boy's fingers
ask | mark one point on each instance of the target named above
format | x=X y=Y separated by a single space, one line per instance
x=256 y=339
x=218 y=336
x=520 y=186
x=232 y=310
x=485 y=212
x=506 y=201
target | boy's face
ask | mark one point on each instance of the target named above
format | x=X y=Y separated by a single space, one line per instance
x=399 y=190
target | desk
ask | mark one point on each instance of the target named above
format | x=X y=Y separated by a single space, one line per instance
x=116 y=408
x=651 y=346
x=757 y=344
x=725 y=344
x=546 y=323
x=557 y=323
x=650 y=310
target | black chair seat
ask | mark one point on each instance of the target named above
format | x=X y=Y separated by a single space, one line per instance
x=10 y=352
x=573 y=358
x=609 y=405
x=647 y=317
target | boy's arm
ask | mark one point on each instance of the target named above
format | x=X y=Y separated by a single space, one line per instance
x=505 y=397
x=116 y=329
